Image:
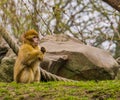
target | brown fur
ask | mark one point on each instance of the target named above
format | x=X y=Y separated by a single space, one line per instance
x=26 y=69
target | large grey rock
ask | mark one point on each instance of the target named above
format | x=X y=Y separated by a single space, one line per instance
x=83 y=62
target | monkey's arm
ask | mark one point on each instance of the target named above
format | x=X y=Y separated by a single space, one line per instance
x=30 y=54
x=43 y=50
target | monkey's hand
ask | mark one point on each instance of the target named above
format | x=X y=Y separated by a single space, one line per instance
x=43 y=50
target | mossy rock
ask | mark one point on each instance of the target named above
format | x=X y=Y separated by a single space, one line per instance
x=6 y=70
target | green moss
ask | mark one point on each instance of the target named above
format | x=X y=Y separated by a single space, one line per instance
x=8 y=98
x=83 y=90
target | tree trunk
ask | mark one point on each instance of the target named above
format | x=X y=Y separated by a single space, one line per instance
x=114 y=3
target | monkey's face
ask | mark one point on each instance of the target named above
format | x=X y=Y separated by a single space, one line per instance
x=31 y=37
x=35 y=40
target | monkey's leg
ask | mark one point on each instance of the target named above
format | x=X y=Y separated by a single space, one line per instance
x=37 y=75
x=27 y=76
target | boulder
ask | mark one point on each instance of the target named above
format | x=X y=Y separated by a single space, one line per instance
x=6 y=66
x=70 y=58
x=6 y=69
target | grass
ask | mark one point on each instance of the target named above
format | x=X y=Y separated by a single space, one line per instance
x=83 y=90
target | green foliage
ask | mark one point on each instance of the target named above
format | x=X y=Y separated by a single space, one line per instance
x=3 y=2
x=83 y=90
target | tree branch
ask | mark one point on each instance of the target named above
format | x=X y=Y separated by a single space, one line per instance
x=114 y=3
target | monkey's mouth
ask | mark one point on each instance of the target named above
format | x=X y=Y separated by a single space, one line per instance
x=36 y=43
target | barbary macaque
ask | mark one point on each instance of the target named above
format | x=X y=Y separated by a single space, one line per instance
x=26 y=69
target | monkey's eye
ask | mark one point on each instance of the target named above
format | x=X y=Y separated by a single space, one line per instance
x=35 y=36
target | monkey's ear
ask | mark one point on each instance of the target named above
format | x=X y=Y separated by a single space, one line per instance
x=22 y=39
x=43 y=50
